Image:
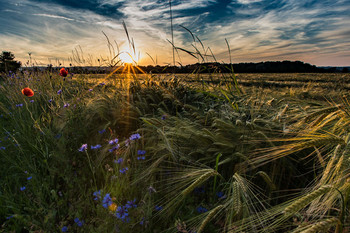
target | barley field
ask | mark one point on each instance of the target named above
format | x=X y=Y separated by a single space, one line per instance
x=174 y=153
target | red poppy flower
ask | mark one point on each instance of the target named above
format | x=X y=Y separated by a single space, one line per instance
x=63 y=72
x=27 y=92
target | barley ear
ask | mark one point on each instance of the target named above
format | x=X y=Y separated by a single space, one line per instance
x=211 y=214
x=305 y=200
x=322 y=226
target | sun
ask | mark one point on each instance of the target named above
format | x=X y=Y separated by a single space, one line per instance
x=126 y=58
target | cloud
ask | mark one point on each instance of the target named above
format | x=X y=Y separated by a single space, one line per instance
x=256 y=29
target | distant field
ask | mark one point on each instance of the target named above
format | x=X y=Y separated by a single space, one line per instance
x=319 y=86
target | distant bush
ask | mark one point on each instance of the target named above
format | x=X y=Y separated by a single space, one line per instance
x=7 y=62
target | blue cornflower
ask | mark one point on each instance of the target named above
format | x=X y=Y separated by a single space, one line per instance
x=141 y=152
x=131 y=204
x=119 y=161
x=83 y=148
x=23 y=188
x=158 y=208
x=135 y=136
x=113 y=141
x=123 y=170
x=114 y=148
x=141 y=158
x=78 y=222
x=32 y=101
x=101 y=131
x=107 y=201
x=59 y=92
x=64 y=229
x=97 y=195
x=220 y=195
x=50 y=100
x=2 y=148
x=98 y=146
x=19 y=105
x=9 y=217
x=122 y=213
x=163 y=117
x=29 y=178
x=201 y=209
x=142 y=221
x=66 y=105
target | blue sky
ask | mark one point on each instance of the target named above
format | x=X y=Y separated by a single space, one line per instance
x=70 y=31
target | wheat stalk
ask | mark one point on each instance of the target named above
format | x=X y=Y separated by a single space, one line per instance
x=302 y=202
x=322 y=226
x=200 y=180
x=209 y=217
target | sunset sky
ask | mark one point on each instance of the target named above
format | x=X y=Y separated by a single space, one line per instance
x=312 y=31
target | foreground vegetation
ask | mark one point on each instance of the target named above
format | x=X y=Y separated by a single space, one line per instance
x=163 y=154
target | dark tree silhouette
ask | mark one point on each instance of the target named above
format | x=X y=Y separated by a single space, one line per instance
x=8 y=63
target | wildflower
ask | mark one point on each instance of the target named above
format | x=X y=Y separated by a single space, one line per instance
x=90 y=90
x=23 y=188
x=101 y=131
x=102 y=84
x=97 y=195
x=119 y=161
x=163 y=117
x=59 y=92
x=27 y=92
x=107 y=201
x=19 y=105
x=78 y=222
x=64 y=229
x=66 y=105
x=135 y=136
x=141 y=152
x=83 y=148
x=141 y=158
x=29 y=178
x=142 y=221
x=112 y=207
x=131 y=204
x=50 y=100
x=63 y=72
x=122 y=213
x=123 y=170
x=58 y=136
x=114 y=148
x=113 y=141
x=201 y=209
x=2 y=148
x=32 y=101
x=98 y=146
x=220 y=195
x=9 y=217
x=158 y=208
